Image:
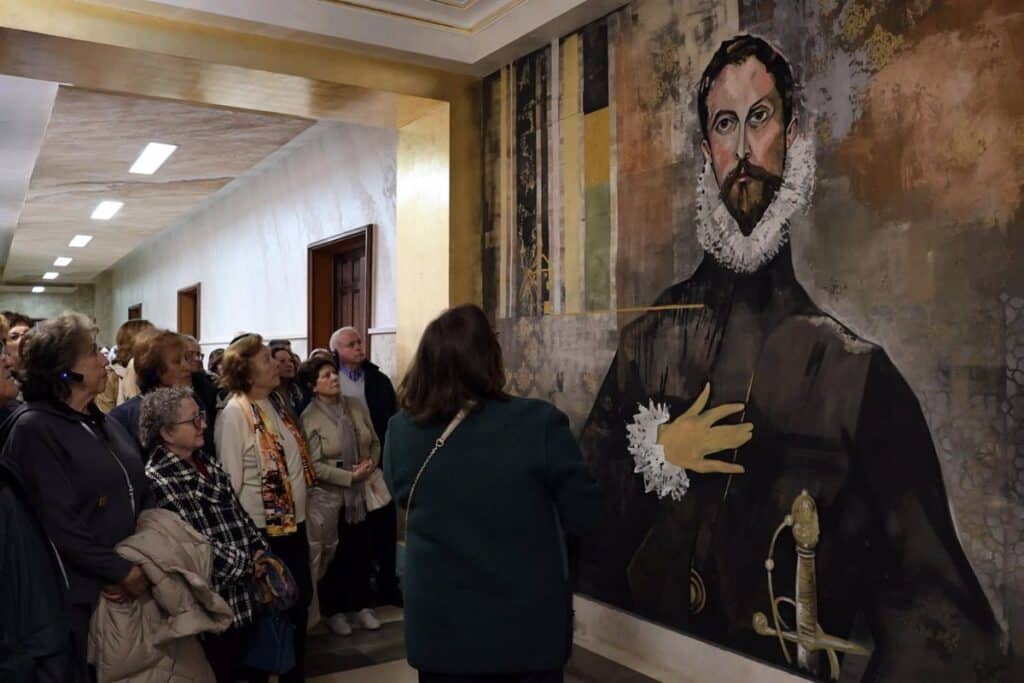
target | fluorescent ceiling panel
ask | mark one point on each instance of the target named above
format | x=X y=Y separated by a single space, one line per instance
x=152 y=158
x=51 y=275
x=106 y=210
x=62 y=261
x=80 y=241
x=38 y=290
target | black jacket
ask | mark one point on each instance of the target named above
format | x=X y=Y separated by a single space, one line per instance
x=83 y=475
x=380 y=398
x=35 y=629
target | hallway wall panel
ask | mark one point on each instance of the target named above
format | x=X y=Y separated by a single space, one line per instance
x=247 y=246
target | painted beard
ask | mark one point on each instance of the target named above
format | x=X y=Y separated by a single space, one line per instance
x=748 y=200
x=748 y=248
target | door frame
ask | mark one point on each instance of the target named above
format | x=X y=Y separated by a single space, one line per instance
x=320 y=277
x=197 y=288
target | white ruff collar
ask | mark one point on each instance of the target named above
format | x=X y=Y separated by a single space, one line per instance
x=719 y=233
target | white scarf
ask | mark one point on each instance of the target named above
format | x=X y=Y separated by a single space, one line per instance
x=719 y=233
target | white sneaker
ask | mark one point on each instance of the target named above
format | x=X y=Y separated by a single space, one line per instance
x=366 y=619
x=339 y=625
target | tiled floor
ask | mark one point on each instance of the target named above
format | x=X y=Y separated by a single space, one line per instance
x=379 y=657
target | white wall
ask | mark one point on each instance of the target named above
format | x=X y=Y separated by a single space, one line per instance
x=50 y=303
x=247 y=245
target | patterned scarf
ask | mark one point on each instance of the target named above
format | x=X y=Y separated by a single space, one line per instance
x=275 y=484
x=351 y=455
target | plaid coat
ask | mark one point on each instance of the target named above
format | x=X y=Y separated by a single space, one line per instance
x=213 y=509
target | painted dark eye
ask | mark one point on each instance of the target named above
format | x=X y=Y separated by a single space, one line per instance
x=760 y=116
x=725 y=125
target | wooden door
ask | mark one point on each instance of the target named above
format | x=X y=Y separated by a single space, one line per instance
x=340 y=292
x=135 y=312
x=188 y=311
x=349 y=295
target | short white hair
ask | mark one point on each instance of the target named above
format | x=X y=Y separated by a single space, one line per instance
x=337 y=334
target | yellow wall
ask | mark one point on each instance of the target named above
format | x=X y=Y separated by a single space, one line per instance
x=424 y=243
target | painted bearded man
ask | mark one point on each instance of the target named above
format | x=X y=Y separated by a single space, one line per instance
x=745 y=438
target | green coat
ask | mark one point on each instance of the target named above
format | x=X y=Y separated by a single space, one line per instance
x=486 y=588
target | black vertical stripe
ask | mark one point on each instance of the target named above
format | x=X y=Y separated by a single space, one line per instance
x=595 y=66
x=491 y=190
x=526 y=179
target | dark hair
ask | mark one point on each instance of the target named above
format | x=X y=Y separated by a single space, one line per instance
x=14 y=319
x=275 y=349
x=279 y=344
x=213 y=363
x=150 y=348
x=736 y=51
x=310 y=370
x=458 y=361
x=48 y=350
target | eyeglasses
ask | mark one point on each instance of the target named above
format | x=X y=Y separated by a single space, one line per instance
x=198 y=421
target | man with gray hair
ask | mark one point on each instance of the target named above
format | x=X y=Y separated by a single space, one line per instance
x=363 y=380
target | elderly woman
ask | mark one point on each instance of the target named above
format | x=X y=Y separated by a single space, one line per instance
x=265 y=455
x=161 y=360
x=82 y=473
x=185 y=480
x=126 y=335
x=17 y=326
x=345 y=452
x=288 y=394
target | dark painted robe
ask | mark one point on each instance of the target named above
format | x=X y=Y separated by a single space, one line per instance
x=831 y=415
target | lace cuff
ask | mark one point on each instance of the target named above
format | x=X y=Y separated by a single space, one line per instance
x=660 y=476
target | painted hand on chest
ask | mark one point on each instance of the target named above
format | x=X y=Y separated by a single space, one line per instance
x=696 y=434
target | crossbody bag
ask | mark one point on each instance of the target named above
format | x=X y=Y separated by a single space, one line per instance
x=438 y=445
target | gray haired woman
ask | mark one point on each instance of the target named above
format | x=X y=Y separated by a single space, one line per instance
x=81 y=472
x=185 y=480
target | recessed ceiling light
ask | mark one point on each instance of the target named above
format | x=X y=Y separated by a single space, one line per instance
x=80 y=241
x=106 y=210
x=38 y=290
x=62 y=261
x=51 y=275
x=152 y=158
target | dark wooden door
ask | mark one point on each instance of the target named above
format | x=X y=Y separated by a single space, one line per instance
x=349 y=295
x=340 y=291
x=135 y=312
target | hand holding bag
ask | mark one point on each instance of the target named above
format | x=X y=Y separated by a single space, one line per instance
x=375 y=491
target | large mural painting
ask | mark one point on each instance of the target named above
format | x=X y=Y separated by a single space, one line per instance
x=767 y=256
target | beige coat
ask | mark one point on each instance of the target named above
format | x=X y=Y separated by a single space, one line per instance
x=325 y=499
x=153 y=639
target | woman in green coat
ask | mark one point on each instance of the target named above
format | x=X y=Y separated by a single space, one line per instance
x=486 y=582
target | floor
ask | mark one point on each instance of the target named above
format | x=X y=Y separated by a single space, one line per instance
x=379 y=657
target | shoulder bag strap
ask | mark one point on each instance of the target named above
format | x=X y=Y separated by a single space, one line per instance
x=456 y=421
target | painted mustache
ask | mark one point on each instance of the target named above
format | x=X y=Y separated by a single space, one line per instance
x=772 y=182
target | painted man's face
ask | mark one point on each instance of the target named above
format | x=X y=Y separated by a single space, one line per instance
x=747 y=138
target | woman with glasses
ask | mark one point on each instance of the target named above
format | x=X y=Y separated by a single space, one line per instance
x=82 y=473
x=185 y=480
x=265 y=454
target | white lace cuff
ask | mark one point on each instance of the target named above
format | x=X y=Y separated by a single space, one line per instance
x=660 y=476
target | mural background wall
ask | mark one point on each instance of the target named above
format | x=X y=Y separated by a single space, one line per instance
x=913 y=239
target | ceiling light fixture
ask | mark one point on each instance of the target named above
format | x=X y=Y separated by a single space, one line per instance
x=51 y=275
x=62 y=261
x=106 y=210
x=79 y=241
x=152 y=158
x=38 y=290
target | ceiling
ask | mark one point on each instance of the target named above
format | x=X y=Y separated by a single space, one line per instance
x=468 y=36
x=89 y=145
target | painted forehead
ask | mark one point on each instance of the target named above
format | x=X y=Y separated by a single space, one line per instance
x=739 y=86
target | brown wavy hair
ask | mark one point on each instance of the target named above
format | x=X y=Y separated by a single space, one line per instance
x=235 y=375
x=150 y=347
x=458 y=362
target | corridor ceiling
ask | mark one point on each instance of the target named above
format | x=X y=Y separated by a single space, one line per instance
x=90 y=143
